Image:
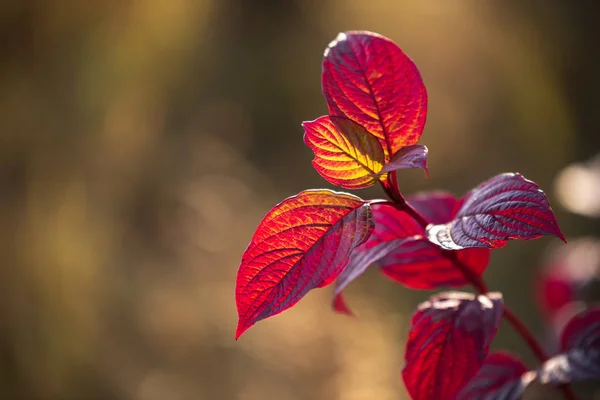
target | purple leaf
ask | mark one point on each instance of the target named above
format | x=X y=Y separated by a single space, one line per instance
x=582 y=331
x=399 y=248
x=414 y=156
x=419 y=264
x=501 y=377
x=575 y=365
x=361 y=260
x=506 y=207
x=437 y=207
x=392 y=228
x=449 y=339
x=580 y=360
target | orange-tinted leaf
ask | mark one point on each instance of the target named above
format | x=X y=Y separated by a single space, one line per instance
x=367 y=78
x=346 y=154
x=303 y=243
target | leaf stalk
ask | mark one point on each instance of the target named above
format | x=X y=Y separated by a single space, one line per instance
x=393 y=191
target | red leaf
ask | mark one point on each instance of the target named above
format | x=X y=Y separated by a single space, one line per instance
x=304 y=242
x=449 y=339
x=413 y=156
x=399 y=248
x=421 y=265
x=506 y=207
x=580 y=360
x=346 y=154
x=501 y=377
x=367 y=78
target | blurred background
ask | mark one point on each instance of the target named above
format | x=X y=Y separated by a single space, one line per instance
x=143 y=140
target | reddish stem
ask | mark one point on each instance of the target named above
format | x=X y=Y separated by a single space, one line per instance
x=525 y=334
x=392 y=190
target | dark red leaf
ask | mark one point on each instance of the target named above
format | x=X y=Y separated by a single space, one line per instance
x=501 y=377
x=506 y=207
x=304 y=242
x=360 y=260
x=437 y=207
x=420 y=265
x=580 y=343
x=582 y=331
x=345 y=153
x=367 y=78
x=449 y=339
x=414 y=156
x=399 y=248
x=392 y=224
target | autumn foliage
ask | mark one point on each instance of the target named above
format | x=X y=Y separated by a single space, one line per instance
x=377 y=105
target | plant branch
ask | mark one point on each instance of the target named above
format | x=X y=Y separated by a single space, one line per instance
x=525 y=334
x=392 y=190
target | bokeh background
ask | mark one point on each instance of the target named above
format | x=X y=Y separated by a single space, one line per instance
x=143 y=140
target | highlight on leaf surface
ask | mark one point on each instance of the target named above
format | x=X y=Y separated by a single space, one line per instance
x=346 y=154
x=303 y=243
x=449 y=339
x=401 y=251
x=367 y=78
x=501 y=377
x=505 y=207
x=580 y=346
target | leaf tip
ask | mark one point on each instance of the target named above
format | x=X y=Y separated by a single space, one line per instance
x=341 y=307
x=241 y=328
x=561 y=236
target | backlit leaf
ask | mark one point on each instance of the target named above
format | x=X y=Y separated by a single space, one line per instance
x=501 y=377
x=449 y=339
x=399 y=248
x=420 y=265
x=367 y=78
x=303 y=243
x=346 y=154
x=414 y=156
x=580 y=358
x=505 y=207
